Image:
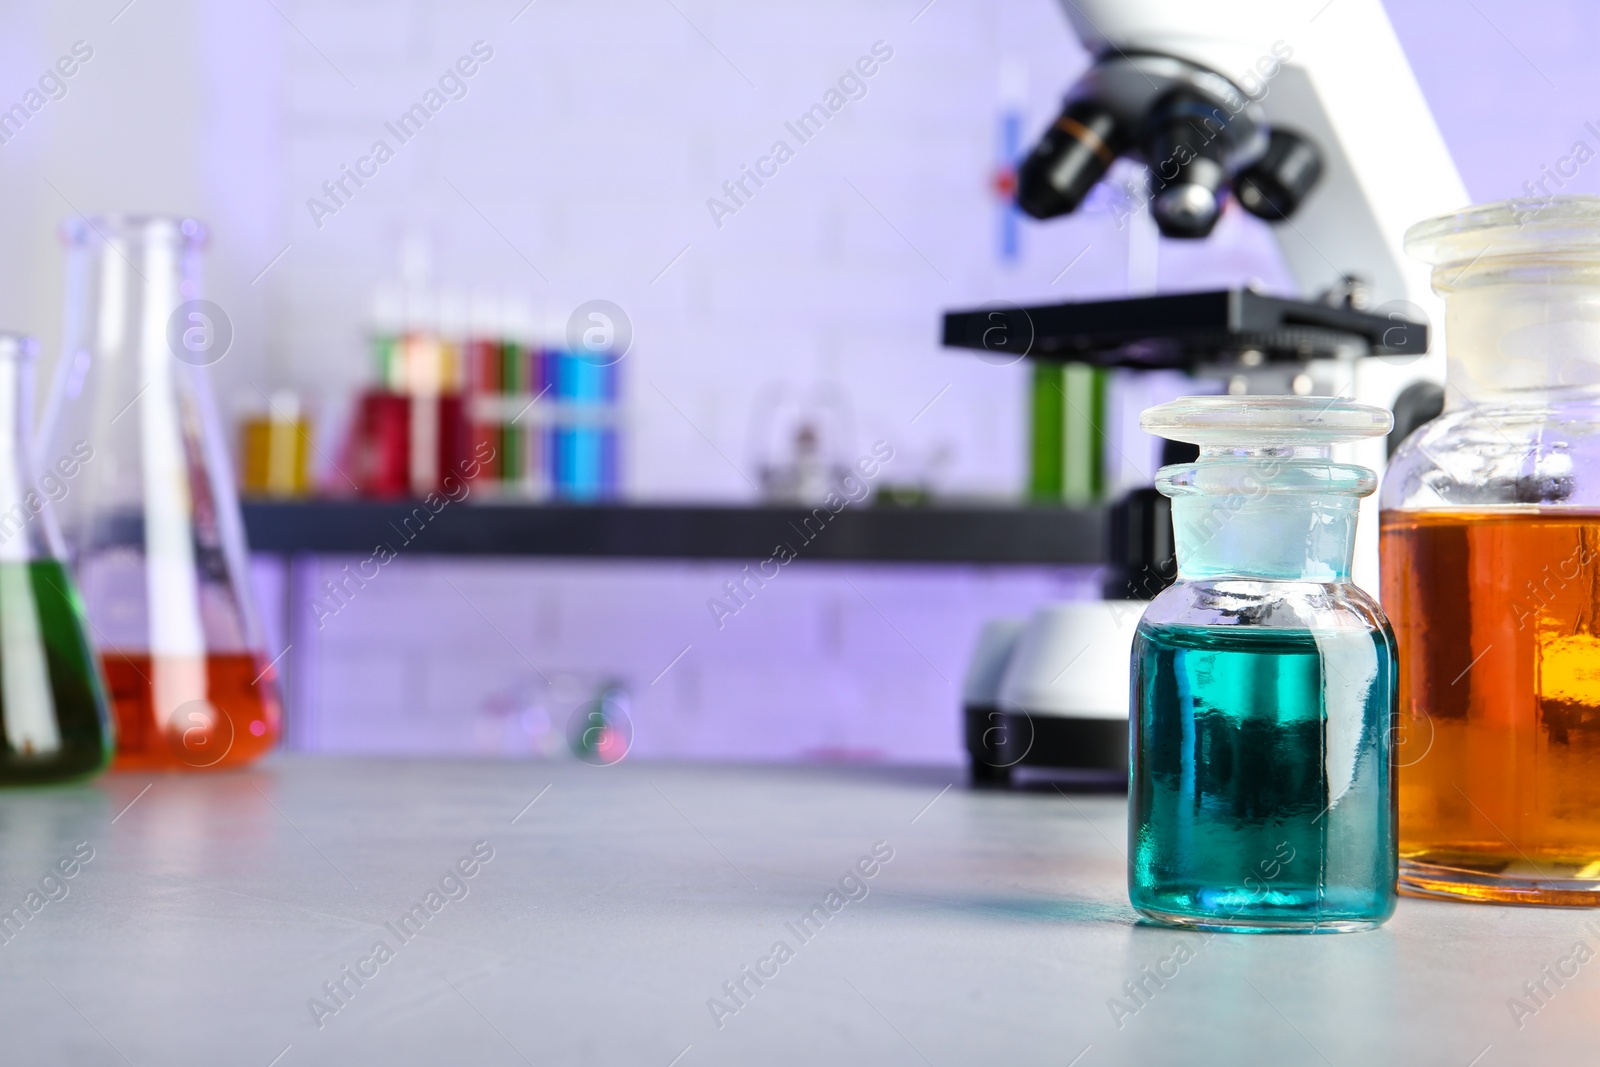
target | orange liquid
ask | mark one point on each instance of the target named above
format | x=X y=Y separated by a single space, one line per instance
x=230 y=717
x=1497 y=616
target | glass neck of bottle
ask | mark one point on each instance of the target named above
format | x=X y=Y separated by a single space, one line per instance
x=1277 y=515
x=1524 y=337
x=19 y=500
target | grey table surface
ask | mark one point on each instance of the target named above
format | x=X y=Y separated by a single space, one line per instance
x=619 y=901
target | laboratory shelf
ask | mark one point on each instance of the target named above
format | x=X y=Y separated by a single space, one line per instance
x=942 y=534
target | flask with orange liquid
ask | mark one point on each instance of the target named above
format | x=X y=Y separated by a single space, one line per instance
x=152 y=526
x=1490 y=542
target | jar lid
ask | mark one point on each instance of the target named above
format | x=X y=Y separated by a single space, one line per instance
x=1244 y=422
x=1564 y=227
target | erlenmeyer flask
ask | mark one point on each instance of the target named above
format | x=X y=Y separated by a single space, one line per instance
x=54 y=718
x=154 y=533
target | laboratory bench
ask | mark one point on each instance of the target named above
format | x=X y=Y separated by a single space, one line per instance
x=887 y=534
x=314 y=910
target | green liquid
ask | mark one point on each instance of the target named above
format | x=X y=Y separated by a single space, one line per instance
x=55 y=721
x=1262 y=788
x=1066 y=452
x=1045 y=447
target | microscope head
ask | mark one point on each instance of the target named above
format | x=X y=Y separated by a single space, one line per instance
x=1197 y=132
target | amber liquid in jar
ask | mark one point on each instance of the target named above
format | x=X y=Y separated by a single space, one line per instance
x=1497 y=617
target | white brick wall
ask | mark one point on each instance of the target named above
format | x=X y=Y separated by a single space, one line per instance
x=826 y=661
x=590 y=143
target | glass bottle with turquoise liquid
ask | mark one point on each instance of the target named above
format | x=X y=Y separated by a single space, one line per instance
x=1262 y=792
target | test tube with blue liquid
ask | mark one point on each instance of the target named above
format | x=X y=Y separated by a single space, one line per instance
x=583 y=453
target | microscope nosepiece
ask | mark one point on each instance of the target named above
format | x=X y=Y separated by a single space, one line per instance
x=1196 y=131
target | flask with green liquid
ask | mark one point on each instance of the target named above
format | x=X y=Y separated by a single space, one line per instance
x=1262 y=790
x=55 y=722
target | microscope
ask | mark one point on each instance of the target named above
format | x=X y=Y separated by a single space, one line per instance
x=1308 y=116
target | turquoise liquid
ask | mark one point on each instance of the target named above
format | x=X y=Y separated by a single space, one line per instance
x=1261 y=792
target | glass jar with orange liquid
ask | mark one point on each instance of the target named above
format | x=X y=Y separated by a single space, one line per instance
x=1490 y=549
x=152 y=524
